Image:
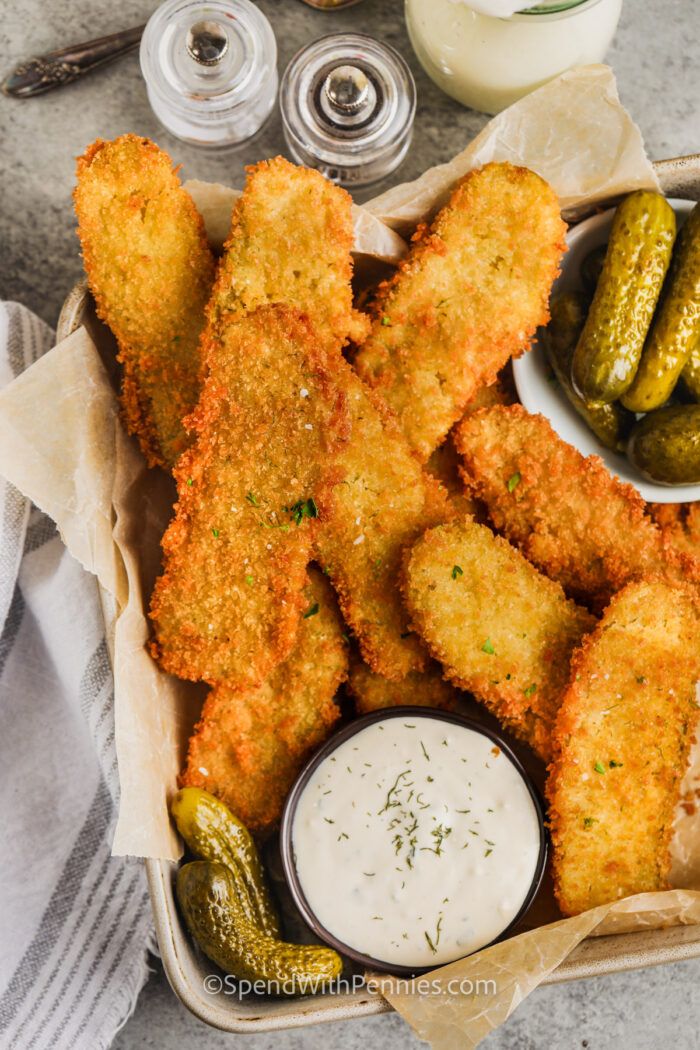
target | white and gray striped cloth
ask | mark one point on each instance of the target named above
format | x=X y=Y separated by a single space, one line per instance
x=75 y=922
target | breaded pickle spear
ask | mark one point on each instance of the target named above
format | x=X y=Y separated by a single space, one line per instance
x=676 y=328
x=151 y=272
x=372 y=692
x=469 y=296
x=228 y=604
x=566 y=512
x=638 y=256
x=385 y=502
x=622 y=738
x=499 y=628
x=249 y=745
x=290 y=242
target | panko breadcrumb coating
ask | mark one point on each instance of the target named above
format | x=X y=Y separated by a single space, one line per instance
x=372 y=692
x=566 y=512
x=384 y=503
x=249 y=746
x=469 y=296
x=500 y=629
x=151 y=272
x=622 y=737
x=290 y=242
x=680 y=525
x=268 y=424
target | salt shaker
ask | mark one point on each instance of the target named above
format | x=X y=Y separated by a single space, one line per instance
x=210 y=69
x=348 y=103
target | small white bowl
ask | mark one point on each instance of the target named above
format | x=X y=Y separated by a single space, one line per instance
x=539 y=394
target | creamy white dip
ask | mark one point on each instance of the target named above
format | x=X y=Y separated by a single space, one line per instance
x=416 y=841
x=489 y=62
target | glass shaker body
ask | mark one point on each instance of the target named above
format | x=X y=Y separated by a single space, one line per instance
x=348 y=103
x=210 y=69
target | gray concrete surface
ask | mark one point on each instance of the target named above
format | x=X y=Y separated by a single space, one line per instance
x=656 y=58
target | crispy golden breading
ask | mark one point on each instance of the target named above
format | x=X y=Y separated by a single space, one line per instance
x=249 y=746
x=227 y=606
x=151 y=272
x=290 y=242
x=469 y=296
x=372 y=692
x=680 y=525
x=621 y=740
x=444 y=466
x=566 y=512
x=499 y=628
x=383 y=505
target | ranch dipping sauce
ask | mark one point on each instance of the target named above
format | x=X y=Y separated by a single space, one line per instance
x=416 y=841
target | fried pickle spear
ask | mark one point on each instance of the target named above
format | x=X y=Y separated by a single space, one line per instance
x=469 y=296
x=249 y=746
x=569 y=516
x=290 y=242
x=151 y=272
x=383 y=505
x=372 y=692
x=269 y=424
x=622 y=737
x=500 y=629
x=680 y=525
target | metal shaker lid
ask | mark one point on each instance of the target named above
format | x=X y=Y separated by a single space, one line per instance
x=348 y=103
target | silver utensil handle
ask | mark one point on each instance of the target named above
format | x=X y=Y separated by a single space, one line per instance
x=46 y=72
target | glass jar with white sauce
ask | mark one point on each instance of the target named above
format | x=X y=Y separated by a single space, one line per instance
x=487 y=55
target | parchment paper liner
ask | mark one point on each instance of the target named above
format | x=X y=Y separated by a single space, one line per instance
x=62 y=444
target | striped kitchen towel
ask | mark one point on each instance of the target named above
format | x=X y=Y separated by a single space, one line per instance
x=75 y=923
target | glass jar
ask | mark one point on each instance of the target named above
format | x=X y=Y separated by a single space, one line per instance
x=347 y=103
x=210 y=68
x=487 y=62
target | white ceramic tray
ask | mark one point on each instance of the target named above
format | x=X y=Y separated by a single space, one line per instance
x=187 y=968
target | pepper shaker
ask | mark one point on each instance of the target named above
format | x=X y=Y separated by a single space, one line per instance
x=348 y=103
x=210 y=69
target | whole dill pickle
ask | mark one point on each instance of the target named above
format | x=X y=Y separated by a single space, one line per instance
x=638 y=256
x=610 y=423
x=209 y=900
x=213 y=833
x=592 y=267
x=665 y=445
x=676 y=328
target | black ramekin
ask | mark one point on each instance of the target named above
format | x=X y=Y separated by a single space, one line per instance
x=348 y=731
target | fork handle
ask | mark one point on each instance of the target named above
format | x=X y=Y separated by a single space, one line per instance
x=46 y=72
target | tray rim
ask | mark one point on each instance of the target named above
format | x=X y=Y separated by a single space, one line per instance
x=594 y=957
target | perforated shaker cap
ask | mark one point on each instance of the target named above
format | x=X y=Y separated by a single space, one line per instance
x=348 y=103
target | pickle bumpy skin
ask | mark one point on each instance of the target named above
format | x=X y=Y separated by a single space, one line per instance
x=676 y=329
x=209 y=901
x=665 y=445
x=213 y=833
x=638 y=256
